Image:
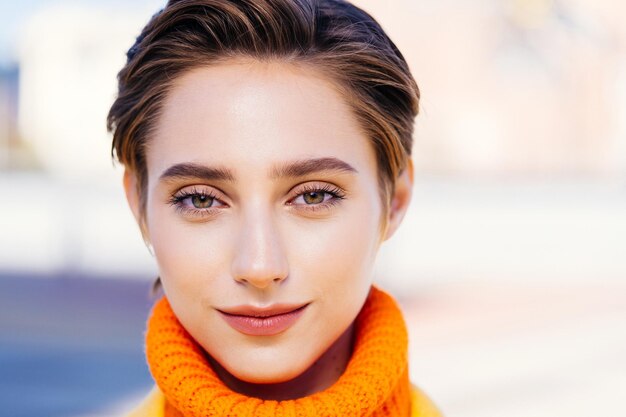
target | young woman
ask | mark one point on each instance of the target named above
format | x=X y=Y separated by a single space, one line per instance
x=266 y=146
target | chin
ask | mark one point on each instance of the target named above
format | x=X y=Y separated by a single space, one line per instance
x=268 y=372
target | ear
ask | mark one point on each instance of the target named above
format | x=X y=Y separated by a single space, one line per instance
x=400 y=199
x=132 y=197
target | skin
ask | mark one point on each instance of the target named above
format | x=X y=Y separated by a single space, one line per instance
x=263 y=240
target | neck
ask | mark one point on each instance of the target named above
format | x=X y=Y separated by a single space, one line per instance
x=323 y=373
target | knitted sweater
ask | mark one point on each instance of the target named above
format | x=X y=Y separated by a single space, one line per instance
x=153 y=405
x=374 y=384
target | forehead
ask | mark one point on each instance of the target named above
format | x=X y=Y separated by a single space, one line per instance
x=249 y=115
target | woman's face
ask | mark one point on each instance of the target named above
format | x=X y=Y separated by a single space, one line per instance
x=262 y=198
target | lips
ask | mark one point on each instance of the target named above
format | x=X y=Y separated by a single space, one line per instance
x=267 y=321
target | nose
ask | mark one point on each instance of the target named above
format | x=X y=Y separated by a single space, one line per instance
x=259 y=259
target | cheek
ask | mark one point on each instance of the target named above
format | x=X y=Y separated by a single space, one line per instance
x=188 y=255
x=337 y=254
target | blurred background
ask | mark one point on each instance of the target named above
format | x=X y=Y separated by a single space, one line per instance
x=510 y=265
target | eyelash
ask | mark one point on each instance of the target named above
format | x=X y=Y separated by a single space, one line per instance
x=177 y=200
x=336 y=193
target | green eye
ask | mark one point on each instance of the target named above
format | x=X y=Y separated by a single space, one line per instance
x=201 y=201
x=314 y=197
x=197 y=202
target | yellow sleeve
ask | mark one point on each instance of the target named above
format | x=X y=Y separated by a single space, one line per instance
x=153 y=405
x=421 y=405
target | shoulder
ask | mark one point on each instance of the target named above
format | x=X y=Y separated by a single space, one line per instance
x=422 y=405
x=153 y=405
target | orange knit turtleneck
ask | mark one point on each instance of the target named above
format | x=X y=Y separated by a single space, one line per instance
x=375 y=382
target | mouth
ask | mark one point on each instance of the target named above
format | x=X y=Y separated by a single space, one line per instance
x=269 y=321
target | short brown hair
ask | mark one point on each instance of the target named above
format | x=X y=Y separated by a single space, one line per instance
x=333 y=36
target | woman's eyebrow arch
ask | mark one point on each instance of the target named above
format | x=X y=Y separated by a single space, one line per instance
x=303 y=167
x=298 y=168
x=192 y=170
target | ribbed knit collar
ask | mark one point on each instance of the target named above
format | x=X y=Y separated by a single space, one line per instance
x=375 y=382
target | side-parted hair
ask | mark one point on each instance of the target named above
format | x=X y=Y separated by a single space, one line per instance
x=333 y=36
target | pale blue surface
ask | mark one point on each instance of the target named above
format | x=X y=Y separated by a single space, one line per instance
x=70 y=346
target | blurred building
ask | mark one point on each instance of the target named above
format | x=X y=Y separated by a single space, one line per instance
x=518 y=87
x=55 y=110
x=9 y=137
x=69 y=57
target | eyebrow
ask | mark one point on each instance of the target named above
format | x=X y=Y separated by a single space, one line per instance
x=295 y=169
